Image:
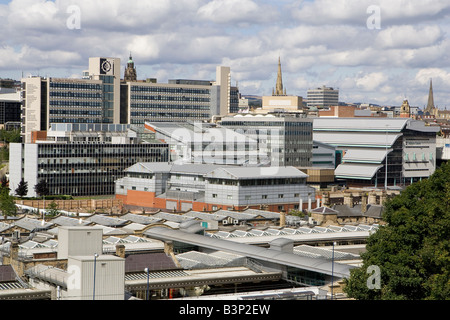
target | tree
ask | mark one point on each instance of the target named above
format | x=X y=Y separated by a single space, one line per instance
x=22 y=189
x=7 y=203
x=52 y=209
x=41 y=188
x=412 y=249
x=4 y=183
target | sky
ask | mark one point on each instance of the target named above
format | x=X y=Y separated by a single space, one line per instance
x=373 y=51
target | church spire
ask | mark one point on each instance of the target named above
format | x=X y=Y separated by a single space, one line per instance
x=430 y=105
x=279 y=86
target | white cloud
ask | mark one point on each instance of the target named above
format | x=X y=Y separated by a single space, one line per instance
x=321 y=42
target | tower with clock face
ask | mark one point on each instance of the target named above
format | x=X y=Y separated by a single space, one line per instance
x=108 y=71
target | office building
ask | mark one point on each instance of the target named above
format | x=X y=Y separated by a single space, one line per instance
x=287 y=138
x=82 y=159
x=101 y=97
x=363 y=145
x=202 y=187
x=62 y=100
x=322 y=97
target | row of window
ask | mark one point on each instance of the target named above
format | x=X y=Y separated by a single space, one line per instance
x=76 y=112
x=249 y=197
x=78 y=95
x=156 y=106
x=169 y=98
x=169 y=90
x=77 y=86
x=72 y=103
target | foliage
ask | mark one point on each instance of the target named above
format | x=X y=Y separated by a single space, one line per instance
x=52 y=209
x=22 y=188
x=4 y=183
x=412 y=250
x=41 y=188
x=10 y=136
x=7 y=203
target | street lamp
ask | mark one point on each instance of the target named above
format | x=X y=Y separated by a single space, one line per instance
x=386 y=170
x=332 y=270
x=148 y=279
x=95 y=264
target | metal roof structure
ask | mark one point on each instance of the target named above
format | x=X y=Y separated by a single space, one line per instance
x=107 y=221
x=359 y=171
x=256 y=173
x=33 y=224
x=357 y=139
x=250 y=251
x=366 y=155
x=361 y=124
x=141 y=219
x=69 y=222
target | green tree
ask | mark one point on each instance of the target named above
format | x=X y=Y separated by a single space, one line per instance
x=412 y=249
x=52 y=209
x=22 y=188
x=7 y=203
x=41 y=188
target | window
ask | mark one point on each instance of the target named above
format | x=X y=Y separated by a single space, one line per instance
x=248 y=197
x=280 y=196
x=296 y=195
x=229 y=197
x=264 y=196
x=214 y=195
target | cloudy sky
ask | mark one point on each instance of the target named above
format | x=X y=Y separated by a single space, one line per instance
x=377 y=51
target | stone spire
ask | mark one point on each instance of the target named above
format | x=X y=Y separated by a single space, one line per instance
x=279 y=86
x=130 y=71
x=430 y=105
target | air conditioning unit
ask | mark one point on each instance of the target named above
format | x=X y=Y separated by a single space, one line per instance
x=225 y=222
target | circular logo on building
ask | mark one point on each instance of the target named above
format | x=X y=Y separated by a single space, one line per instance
x=106 y=66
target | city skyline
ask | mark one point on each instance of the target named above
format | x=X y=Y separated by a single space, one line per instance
x=372 y=51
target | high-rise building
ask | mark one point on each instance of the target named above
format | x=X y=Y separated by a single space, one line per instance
x=323 y=97
x=64 y=100
x=101 y=97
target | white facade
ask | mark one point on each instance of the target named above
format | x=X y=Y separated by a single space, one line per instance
x=106 y=272
x=75 y=241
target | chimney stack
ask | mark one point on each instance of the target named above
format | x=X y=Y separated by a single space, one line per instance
x=120 y=251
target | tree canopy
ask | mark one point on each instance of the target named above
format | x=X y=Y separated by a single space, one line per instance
x=412 y=249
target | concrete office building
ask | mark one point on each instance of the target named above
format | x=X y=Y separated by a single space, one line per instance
x=363 y=145
x=322 y=97
x=82 y=159
x=95 y=99
x=287 y=138
x=201 y=187
x=101 y=97
x=179 y=99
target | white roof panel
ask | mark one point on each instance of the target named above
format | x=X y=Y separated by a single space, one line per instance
x=358 y=171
